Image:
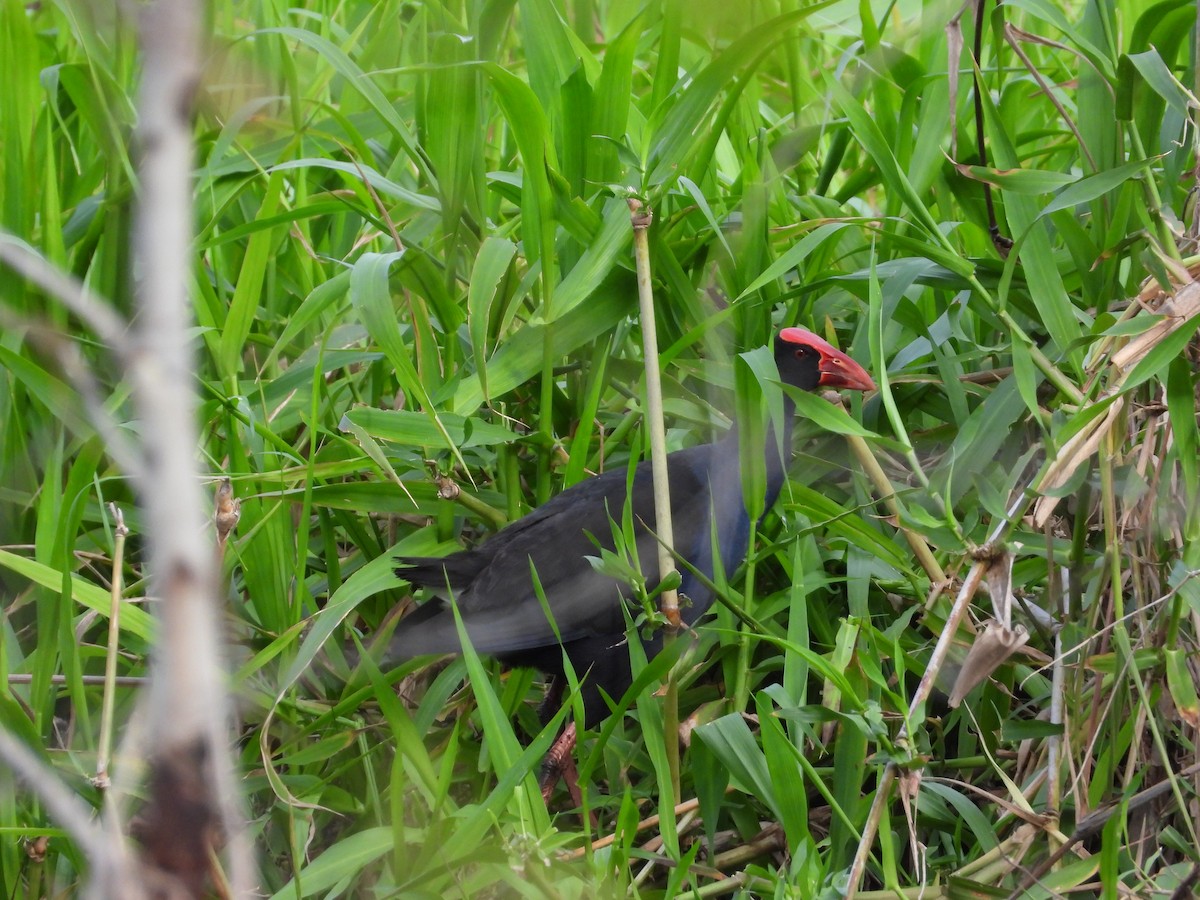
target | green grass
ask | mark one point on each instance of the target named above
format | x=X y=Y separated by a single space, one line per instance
x=413 y=259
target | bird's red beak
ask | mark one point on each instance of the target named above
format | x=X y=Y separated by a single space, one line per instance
x=840 y=371
x=837 y=369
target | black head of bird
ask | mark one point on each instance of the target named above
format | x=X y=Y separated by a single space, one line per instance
x=494 y=589
x=809 y=362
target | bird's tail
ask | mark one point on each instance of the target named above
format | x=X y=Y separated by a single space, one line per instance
x=426 y=630
x=439 y=572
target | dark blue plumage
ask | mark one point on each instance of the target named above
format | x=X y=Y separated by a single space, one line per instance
x=493 y=586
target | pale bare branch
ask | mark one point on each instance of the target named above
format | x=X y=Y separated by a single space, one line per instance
x=192 y=803
x=91 y=309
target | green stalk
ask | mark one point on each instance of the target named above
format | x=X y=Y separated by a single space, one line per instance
x=887 y=493
x=546 y=416
x=668 y=599
x=1154 y=201
x=741 y=685
x=110 y=660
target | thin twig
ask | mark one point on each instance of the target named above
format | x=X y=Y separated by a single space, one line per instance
x=94 y=680
x=107 y=859
x=1002 y=243
x=650 y=822
x=1055 y=742
x=65 y=353
x=1094 y=822
x=884 y=789
x=90 y=308
x=1011 y=35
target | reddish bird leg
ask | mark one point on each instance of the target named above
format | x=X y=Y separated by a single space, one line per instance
x=560 y=763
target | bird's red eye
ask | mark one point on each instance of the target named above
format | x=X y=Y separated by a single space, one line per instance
x=801 y=352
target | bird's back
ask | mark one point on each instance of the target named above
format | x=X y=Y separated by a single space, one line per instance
x=494 y=587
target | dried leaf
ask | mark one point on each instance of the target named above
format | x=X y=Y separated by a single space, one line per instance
x=954 y=47
x=1074 y=453
x=999 y=583
x=1177 y=312
x=991 y=648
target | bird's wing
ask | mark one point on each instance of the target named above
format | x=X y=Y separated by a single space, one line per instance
x=500 y=607
x=592 y=606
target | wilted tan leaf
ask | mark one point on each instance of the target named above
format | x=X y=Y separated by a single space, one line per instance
x=1178 y=311
x=1071 y=456
x=954 y=47
x=999 y=583
x=991 y=648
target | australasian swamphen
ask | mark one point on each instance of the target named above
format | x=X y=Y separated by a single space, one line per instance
x=493 y=586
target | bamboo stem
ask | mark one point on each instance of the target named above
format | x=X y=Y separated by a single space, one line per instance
x=640 y=218
x=887 y=493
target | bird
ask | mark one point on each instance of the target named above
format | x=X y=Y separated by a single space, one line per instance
x=493 y=584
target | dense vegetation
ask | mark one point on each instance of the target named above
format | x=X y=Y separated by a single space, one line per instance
x=414 y=276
